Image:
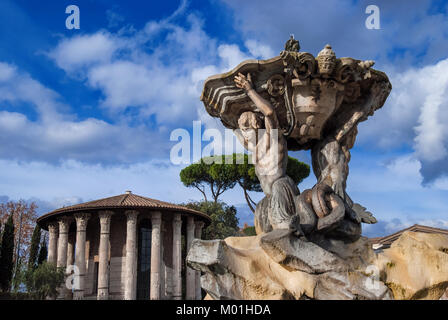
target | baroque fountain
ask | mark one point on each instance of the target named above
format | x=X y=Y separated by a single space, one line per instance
x=309 y=243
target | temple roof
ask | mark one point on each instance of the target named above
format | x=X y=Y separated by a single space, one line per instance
x=127 y=200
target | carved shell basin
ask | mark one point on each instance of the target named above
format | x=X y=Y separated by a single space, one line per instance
x=313 y=103
x=308 y=105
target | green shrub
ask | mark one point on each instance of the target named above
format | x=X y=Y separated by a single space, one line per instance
x=44 y=281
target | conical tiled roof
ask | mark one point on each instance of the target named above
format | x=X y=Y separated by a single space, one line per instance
x=127 y=200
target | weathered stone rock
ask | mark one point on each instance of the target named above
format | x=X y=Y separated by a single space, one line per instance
x=416 y=266
x=288 y=250
x=237 y=268
x=271 y=266
x=279 y=266
x=350 y=286
x=357 y=255
x=444 y=296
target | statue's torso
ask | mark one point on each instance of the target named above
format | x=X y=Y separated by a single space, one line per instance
x=270 y=164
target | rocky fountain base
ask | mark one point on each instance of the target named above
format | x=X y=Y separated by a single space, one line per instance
x=278 y=265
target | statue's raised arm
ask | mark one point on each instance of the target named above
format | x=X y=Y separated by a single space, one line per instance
x=262 y=104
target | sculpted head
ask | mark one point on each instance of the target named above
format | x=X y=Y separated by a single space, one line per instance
x=249 y=123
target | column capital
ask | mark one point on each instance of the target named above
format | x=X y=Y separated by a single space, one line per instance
x=105 y=214
x=156 y=218
x=105 y=217
x=81 y=220
x=199 y=224
x=53 y=227
x=198 y=228
x=64 y=224
x=190 y=223
x=177 y=219
x=132 y=215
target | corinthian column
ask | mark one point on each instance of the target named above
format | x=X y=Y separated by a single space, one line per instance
x=162 y=262
x=198 y=234
x=70 y=261
x=64 y=225
x=80 y=253
x=103 y=266
x=168 y=260
x=156 y=220
x=177 y=256
x=191 y=274
x=52 y=242
x=130 y=289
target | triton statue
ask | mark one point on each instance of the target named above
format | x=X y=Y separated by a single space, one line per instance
x=309 y=244
x=300 y=103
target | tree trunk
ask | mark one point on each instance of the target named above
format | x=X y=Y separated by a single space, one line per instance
x=248 y=200
x=203 y=193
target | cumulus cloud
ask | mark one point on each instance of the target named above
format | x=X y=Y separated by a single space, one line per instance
x=417 y=31
x=158 y=71
x=19 y=87
x=231 y=55
x=56 y=134
x=90 y=140
x=390 y=186
x=415 y=115
x=82 y=51
x=258 y=49
x=70 y=182
x=155 y=70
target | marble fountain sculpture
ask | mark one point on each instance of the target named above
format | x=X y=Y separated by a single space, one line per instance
x=308 y=244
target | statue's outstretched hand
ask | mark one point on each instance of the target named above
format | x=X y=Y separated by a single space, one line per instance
x=242 y=82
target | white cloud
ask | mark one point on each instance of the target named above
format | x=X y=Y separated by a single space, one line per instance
x=417 y=31
x=231 y=55
x=415 y=115
x=258 y=49
x=19 y=87
x=6 y=72
x=78 y=52
x=156 y=71
x=56 y=134
x=72 y=181
x=432 y=136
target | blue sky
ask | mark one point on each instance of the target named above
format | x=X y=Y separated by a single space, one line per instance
x=88 y=113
